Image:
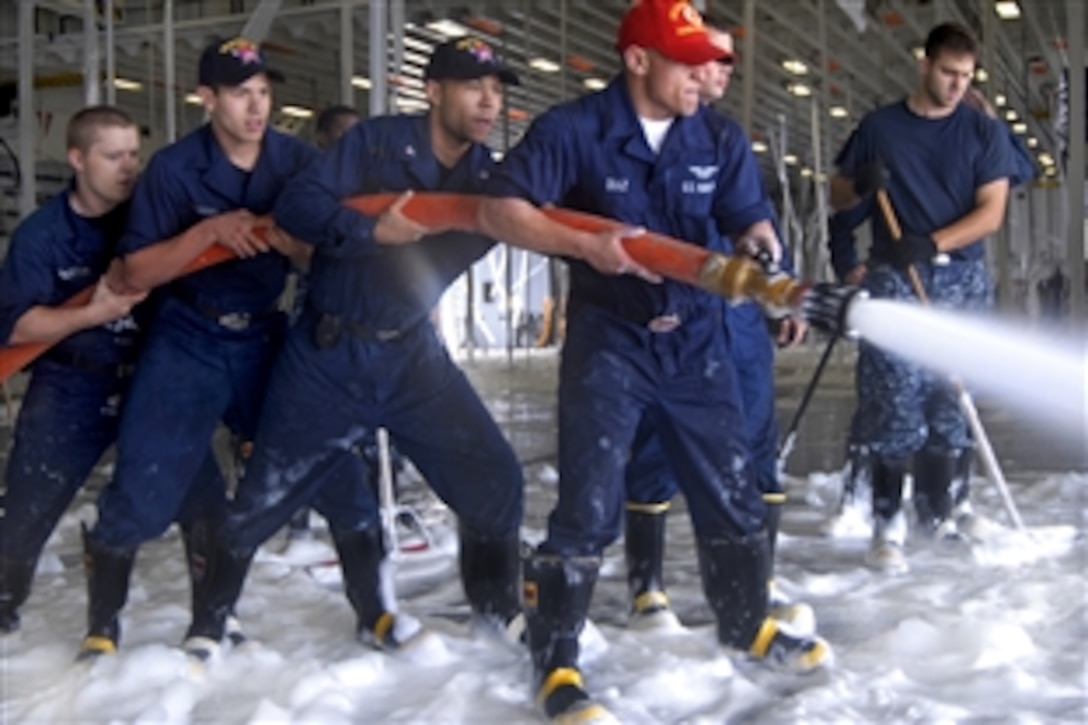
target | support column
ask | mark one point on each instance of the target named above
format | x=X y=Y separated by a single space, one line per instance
x=379 y=64
x=397 y=21
x=27 y=118
x=749 y=85
x=92 y=86
x=347 y=53
x=111 y=58
x=1074 y=10
x=169 y=71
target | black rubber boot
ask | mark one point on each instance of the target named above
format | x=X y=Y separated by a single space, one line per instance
x=961 y=481
x=644 y=550
x=735 y=573
x=887 y=479
x=108 y=573
x=15 y=580
x=933 y=477
x=858 y=480
x=491 y=576
x=557 y=595
x=299 y=525
x=200 y=540
x=362 y=553
x=215 y=596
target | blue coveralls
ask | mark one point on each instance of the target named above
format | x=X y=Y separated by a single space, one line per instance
x=591 y=155
x=364 y=353
x=649 y=478
x=936 y=166
x=69 y=415
x=211 y=344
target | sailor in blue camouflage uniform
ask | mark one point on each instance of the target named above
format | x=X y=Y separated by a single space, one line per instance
x=946 y=169
x=644 y=151
x=365 y=355
x=211 y=344
x=71 y=407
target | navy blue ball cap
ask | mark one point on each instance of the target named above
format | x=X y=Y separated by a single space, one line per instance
x=466 y=59
x=233 y=62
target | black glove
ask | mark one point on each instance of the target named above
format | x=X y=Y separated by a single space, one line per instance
x=825 y=305
x=870 y=177
x=911 y=249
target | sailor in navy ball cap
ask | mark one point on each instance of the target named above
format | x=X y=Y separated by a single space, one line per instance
x=233 y=62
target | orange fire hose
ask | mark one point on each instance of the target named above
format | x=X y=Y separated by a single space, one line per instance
x=730 y=277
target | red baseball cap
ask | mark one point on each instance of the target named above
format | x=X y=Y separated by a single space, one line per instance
x=673 y=28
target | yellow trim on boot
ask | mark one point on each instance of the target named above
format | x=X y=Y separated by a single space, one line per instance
x=650 y=600
x=96 y=644
x=382 y=627
x=764 y=637
x=774 y=498
x=816 y=656
x=558 y=678
x=648 y=508
x=591 y=712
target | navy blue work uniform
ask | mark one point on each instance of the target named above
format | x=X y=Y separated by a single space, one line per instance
x=70 y=413
x=841 y=241
x=592 y=155
x=936 y=166
x=211 y=344
x=364 y=353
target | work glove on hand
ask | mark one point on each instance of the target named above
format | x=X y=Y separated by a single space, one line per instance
x=869 y=178
x=911 y=249
x=825 y=305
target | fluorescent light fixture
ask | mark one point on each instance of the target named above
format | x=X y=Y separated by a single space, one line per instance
x=1051 y=171
x=799 y=89
x=792 y=65
x=1046 y=159
x=544 y=65
x=124 y=84
x=416 y=44
x=1000 y=99
x=918 y=52
x=1032 y=142
x=1007 y=9
x=360 y=82
x=759 y=147
x=411 y=104
x=1020 y=127
x=497 y=155
x=790 y=160
x=838 y=112
x=449 y=28
x=981 y=76
x=297 y=111
x=806 y=172
x=594 y=84
x=1011 y=115
x=193 y=99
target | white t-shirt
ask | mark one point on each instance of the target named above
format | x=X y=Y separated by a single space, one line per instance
x=655 y=132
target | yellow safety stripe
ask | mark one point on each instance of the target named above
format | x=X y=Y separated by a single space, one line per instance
x=774 y=498
x=651 y=599
x=762 y=642
x=383 y=625
x=103 y=645
x=648 y=508
x=558 y=678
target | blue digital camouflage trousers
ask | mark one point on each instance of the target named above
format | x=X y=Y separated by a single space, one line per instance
x=903 y=408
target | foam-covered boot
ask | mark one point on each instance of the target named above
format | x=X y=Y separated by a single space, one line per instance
x=16 y=577
x=369 y=590
x=491 y=576
x=735 y=571
x=199 y=538
x=557 y=592
x=934 y=473
x=644 y=550
x=889 y=523
x=798 y=615
x=215 y=594
x=108 y=572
